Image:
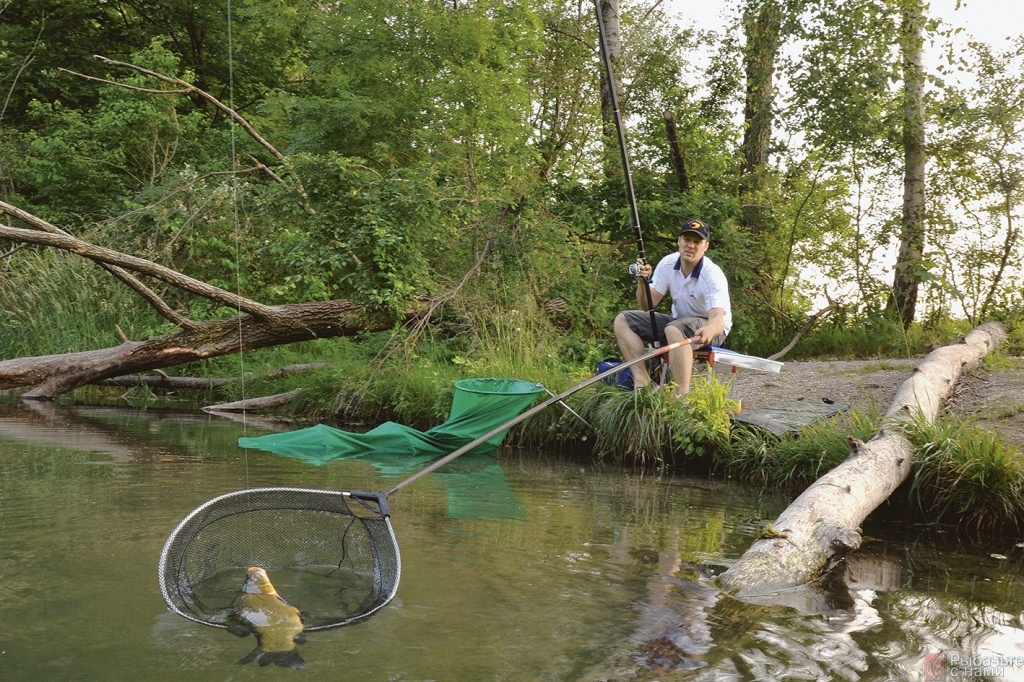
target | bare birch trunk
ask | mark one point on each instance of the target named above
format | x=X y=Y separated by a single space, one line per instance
x=823 y=523
x=613 y=40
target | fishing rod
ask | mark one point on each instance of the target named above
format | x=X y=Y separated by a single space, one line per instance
x=624 y=154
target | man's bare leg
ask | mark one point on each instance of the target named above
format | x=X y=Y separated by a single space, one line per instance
x=680 y=360
x=631 y=346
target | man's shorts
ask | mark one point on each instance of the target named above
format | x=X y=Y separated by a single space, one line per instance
x=640 y=322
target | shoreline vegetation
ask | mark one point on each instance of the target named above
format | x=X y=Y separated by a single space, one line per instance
x=964 y=475
x=410 y=217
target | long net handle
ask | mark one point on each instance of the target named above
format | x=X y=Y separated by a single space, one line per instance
x=532 y=411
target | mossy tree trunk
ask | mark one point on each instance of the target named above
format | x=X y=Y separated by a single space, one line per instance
x=51 y=376
x=911 y=269
x=823 y=523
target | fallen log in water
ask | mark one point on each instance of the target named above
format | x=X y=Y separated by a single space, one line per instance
x=266 y=402
x=165 y=381
x=823 y=523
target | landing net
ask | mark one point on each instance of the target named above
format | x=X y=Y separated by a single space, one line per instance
x=332 y=554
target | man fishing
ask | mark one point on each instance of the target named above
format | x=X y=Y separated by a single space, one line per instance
x=701 y=311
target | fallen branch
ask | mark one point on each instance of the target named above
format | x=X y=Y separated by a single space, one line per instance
x=266 y=402
x=811 y=321
x=165 y=381
x=823 y=524
x=55 y=375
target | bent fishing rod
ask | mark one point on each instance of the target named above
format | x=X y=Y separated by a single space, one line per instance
x=624 y=154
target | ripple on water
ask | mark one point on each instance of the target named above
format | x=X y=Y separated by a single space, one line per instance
x=524 y=567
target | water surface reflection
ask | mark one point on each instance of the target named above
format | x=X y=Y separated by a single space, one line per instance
x=527 y=566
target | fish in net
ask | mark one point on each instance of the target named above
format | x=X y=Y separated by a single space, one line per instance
x=335 y=553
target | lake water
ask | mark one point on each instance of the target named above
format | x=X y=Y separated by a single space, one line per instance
x=524 y=566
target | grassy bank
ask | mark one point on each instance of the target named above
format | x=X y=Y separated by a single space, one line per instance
x=963 y=474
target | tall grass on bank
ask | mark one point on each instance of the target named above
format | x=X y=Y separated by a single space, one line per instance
x=54 y=302
x=794 y=461
x=648 y=428
x=631 y=426
x=965 y=475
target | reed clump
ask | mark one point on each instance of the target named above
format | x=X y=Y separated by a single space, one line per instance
x=631 y=426
x=965 y=475
x=792 y=462
x=647 y=427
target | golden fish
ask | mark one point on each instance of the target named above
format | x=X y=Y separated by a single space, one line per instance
x=259 y=609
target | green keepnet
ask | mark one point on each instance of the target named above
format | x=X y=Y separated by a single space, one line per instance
x=479 y=405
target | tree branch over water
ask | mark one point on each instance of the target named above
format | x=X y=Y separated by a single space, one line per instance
x=259 y=325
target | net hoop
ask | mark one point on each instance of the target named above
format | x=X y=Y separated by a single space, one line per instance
x=337 y=539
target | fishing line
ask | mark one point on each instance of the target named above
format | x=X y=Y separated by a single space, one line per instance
x=236 y=222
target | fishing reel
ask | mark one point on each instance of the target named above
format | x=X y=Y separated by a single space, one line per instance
x=634 y=270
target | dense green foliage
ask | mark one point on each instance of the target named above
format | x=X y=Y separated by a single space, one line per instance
x=453 y=150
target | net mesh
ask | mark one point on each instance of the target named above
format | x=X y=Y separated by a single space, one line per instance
x=478 y=406
x=331 y=554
